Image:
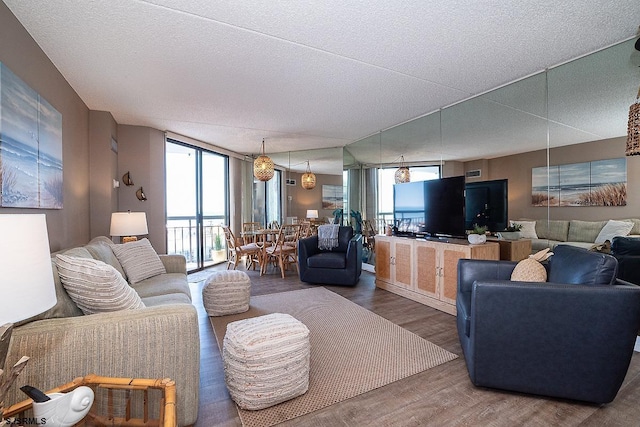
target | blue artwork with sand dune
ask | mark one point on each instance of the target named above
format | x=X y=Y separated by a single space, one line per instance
x=596 y=183
x=30 y=147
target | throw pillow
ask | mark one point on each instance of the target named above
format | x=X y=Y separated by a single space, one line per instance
x=613 y=228
x=94 y=286
x=528 y=230
x=530 y=269
x=139 y=260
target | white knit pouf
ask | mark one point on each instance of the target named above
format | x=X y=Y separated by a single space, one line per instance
x=266 y=360
x=226 y=292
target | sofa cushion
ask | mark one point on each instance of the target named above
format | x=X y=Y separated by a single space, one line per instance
x=95 y=286
x=139 y=260
x=169 y=283
x=166 y=299
x=100 y=249
x=552 y=229
x=636 y=225
x=327 y=260
x=612 y=229
x=584 y=231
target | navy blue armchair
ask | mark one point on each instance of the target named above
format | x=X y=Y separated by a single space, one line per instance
x=340 y=266
x=627 y=252
x=571 y=337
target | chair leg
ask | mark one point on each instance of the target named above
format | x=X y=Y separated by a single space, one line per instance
x=281 y=263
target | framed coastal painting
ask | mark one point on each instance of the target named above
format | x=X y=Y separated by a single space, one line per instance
x=597 y=183
x=30 y=147
x=332 y=197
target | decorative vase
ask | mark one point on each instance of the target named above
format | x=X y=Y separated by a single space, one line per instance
x=477 y=239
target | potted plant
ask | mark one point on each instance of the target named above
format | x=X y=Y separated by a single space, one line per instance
x=218 y=253
x=512 y=232
x=477 y=235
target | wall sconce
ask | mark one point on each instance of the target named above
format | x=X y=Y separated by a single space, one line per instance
x=140 y=195
x=126 y=179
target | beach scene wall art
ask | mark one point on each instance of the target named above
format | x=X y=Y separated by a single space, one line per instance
x=30 y=147
x=597 y=183
x=332 y=197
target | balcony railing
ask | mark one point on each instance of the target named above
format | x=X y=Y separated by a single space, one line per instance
x=182 y=239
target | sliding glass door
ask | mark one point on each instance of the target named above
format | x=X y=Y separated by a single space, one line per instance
x=197 y=203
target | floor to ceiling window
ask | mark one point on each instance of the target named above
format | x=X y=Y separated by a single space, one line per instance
x=197 y=203
x=267 y=200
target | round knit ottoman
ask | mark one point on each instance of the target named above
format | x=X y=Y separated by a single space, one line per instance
x=266 y=360
x=226 y=292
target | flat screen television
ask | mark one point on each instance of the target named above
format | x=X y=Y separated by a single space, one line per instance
x=444 y=207
x=487 y=204
x=434 y=207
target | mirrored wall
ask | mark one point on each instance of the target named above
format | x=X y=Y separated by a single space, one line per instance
x=573 y=113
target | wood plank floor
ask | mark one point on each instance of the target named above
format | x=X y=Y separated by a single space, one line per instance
x=441 y=396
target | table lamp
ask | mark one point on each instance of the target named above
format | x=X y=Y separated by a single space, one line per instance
x=312 y=213
x=26 y=282
x=128 y=225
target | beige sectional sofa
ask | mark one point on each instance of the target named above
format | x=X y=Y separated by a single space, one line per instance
x=160 y=340
x=571 y=232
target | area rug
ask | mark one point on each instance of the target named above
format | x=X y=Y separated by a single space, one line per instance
x=353 y=350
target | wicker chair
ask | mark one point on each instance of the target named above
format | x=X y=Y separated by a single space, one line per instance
x=283 y=253
x=238 y=250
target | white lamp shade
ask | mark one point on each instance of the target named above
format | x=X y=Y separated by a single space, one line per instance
x=128 y=224
x=26 y=282
x=312 y=213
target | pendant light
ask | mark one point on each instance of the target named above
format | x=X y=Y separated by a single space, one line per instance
x=308 y=178
x=402 y=175
x=633 y=127
x=263 y=167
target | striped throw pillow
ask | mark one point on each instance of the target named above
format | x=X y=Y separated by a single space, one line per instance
x=94 y=286
x=139 y=260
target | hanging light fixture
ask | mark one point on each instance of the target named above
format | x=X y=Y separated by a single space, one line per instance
x=263 y=167
x=633 y=127
x=308 y=178
x=402 y=174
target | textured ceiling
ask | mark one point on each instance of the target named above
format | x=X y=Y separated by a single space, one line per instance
x=308 y=76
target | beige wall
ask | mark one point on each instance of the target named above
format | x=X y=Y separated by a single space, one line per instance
x=517 y=169
x=141 y=153
x=71 y=225
x=103 y=164
x=302 y=199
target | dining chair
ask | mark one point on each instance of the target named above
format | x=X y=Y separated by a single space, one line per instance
x=305 y=229
x=237 y=250
x=247 y=232
x=281 y=253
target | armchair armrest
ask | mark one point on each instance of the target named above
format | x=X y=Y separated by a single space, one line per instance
x=583 y=335
x=174 y=263
x=308 y=247
x=354 y=250
x=470 y=270
x=153 y=342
